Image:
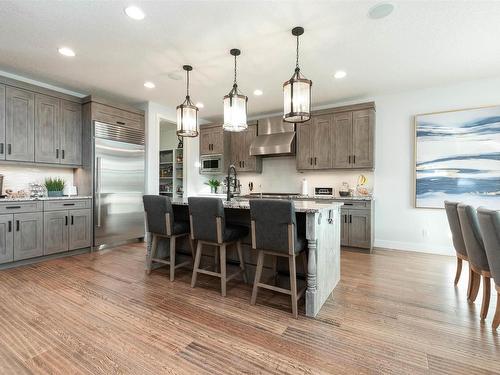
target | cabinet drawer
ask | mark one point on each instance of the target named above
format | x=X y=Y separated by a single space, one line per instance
x=66 y=204
x=349 y=204
x=115 y=116
x=22 y=206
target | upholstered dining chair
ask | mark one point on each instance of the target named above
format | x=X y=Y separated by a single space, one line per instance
x=160 y=222
x=489 y=224
x=458 y=239
x=477 y=255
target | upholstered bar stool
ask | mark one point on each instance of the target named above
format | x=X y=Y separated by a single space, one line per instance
x=274 y=232
x=489 y=224
x=477 y=255
x=458 y=240
x=160 y=222
x=209 y=227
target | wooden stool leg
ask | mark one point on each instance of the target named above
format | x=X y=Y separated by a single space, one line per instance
x=459 y=270
x=223 y=269
x=496 y=318
x=154 y=247
x=476 y=283
x=196 y=265
x=242 y=261
x=486 y=297
x=172 y=258
x=471 y=279
x=293 y=285
x=258 y=273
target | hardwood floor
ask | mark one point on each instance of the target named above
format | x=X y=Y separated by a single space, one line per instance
x=393 y=312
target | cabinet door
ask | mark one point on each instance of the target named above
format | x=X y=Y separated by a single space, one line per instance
x=80 y=229
x=304 y=158
x=2 y=123
x=359 y=228
x=205 y=141
x=344 y=229
x=71 y=133
x=237 y=145
x=342 y=140
x=28 y=235
x=321 y=145
x=6 y=238
x=363 y=125
x=249 y=162
x=20 y=124
x=47 y=124
x=217 y=139
x=55 y=232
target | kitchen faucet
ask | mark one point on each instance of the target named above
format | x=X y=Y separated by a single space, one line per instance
x=228 y=197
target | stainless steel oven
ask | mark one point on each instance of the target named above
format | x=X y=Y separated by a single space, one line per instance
x=211 y=164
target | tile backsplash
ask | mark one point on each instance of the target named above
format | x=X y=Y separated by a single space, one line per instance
x=17 y=177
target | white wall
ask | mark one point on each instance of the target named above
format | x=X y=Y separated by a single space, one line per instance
x=18 y=177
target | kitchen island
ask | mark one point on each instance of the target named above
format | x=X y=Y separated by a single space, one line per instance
x=320 y=223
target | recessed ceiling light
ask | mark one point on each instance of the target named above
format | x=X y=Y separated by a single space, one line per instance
x=135 y=13
x=174 y=76
x=200 y=105
x=339 y=74
x=258 y=92
x=149 y=85
x=380 y=10
x=65 y=51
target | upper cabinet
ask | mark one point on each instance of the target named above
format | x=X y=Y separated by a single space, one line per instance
x=109 y=113
x=213 y=140
x=240 y=151
x=338 y=138
x=39 y=125
x=19 y=124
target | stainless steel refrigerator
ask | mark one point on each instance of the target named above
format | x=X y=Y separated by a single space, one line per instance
x=118 y=184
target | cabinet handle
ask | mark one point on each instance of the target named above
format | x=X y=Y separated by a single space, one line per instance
x=57 y=153
x=9 y=149
x=66 y=217
x=68 y=204
x=17 y=225
x=1 y=148
x=315 y=159
x=72 y=220
x=62 y=154
x=345 y=219
x=349 y=159
x=311 y=161
x=347 y=204
x=350 y=218
x=243 y=163
x=10 y=226
x=120 y=123
x=354 y=159
x=12 y=207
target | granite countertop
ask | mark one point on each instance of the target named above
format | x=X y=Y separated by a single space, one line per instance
x=353 y=198
x=300 y=206
x=45 y=198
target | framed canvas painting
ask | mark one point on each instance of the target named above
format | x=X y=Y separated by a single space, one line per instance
x=457 y=158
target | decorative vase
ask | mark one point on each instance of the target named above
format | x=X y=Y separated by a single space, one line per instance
x=55 y=193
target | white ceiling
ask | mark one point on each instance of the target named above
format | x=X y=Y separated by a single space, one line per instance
x=421 y=44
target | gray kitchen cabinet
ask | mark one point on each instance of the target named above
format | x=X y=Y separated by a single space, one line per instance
x=55 y=232
x=71 y=133
x=6 y=239
x=314 y=143
x=344 y=229
x=28 y=235
x=357 y=224
x=342 y=140
x=363 y=138
x=240 y=151
x=214 y=141
x=47 y=125
x=80 y=229
x=2 y=122
x=304 y=151
x=19 y=124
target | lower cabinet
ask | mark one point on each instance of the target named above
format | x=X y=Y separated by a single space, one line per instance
x=6 y=239
x=67 y=230
x=28 y=235
x=357 y=227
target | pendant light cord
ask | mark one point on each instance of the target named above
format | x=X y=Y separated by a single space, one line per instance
x=297 y=60
x=234 y=70
x=187 y=83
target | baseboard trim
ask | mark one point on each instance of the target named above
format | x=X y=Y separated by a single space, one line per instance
x=416 y=247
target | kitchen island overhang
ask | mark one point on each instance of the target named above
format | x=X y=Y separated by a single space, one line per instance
x=320 y=223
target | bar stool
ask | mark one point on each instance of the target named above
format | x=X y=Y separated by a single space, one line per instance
x=458 y=240
x=208 y=227
x=160 y=222
x=274 y=232
x=489 y=224
x=477 y=255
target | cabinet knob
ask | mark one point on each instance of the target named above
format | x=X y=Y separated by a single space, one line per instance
x=9 y=149
x=1 y=148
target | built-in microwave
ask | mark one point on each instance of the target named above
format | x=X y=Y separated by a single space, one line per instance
x=211 y=164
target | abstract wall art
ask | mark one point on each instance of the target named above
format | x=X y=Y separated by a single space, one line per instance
x=457 y=158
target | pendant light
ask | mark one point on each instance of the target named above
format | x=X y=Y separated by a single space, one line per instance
x=187 y=112
x=235 y=105
x=297 y=91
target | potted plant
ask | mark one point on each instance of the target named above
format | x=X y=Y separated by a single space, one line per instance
x=214 y=185
x=54 y=186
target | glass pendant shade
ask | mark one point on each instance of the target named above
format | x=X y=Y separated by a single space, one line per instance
x=297 y=91
x=187 y=113
x=235 y=105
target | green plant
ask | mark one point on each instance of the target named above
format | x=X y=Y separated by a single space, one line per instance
x=54 y=184
x=213 y=183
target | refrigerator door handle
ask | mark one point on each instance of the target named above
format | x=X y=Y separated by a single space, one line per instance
x=98 y=189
